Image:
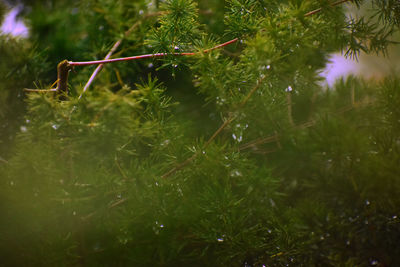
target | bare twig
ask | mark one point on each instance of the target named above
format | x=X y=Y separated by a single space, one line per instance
x=3 y=160
x=40 y=90
x=320 y=9
x=96 y=62
x=289 y=106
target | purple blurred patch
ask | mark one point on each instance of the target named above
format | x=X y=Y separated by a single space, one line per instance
x=338 y=67
x=13 y=26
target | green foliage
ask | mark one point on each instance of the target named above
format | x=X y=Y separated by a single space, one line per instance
x=135 y=173
x=21 y=64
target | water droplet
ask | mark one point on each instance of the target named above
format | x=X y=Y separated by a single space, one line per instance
x=55 y=126
x=165 y=142
x=150 y=65
x=272 y=202
x=374 y=262
x=204 y=152
x=220 y=101
x=220 y=240
x=367 y=202
x=161 y=225
x=269 y=231
x=289 y=89
x=175 y=65
x=157 y=184
x=394 y=217
x=180 y=192
x=236 y=173
x=23 y=128
x=176 y=48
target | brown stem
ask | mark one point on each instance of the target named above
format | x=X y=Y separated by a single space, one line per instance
x=63 y=69
x=96 y=62
x=320 y=9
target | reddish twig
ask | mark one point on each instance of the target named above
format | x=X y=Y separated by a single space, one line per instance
x=96 y=62
x=320 y=9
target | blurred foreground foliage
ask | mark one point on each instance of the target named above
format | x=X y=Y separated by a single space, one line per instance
x=303 y=175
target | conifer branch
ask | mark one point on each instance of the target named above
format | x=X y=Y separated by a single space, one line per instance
x=276 y=136
x=231 y=118
x=243 y=103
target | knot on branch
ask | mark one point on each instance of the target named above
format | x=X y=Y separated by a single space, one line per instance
x=63 y=69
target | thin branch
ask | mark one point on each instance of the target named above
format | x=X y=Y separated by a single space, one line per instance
x=289 y=106
x=320 y=9
x=119 y=168
x=40 y=90
x=96 y=62
x=3 y=160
